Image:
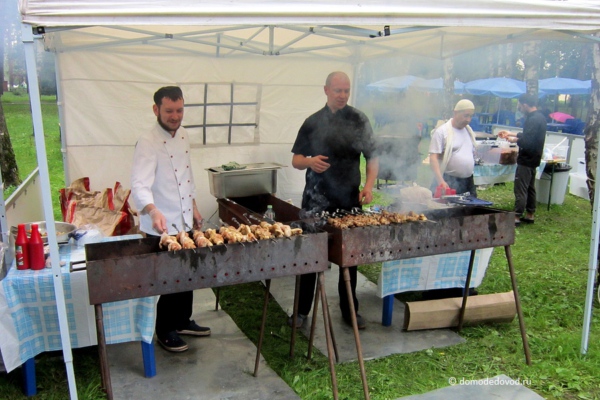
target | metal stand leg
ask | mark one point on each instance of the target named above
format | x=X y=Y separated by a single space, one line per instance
x=149 y=359
x=461 y=316
x=262 y=326
x=328 y=332
x=387 y=310
x=29 y=383
x=361 y=362
x=104 y=370
x=217 y=300
x=513 y=280
x=314 y=323
x=294 y=316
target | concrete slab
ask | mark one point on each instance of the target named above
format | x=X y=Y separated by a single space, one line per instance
x=501 y=388
x=376 y=340
x=216 y=367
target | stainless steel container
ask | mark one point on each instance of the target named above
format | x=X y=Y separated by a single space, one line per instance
x=257 y=178
x=62 y=231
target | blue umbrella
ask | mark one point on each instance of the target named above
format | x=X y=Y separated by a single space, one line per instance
x=394 y=84
x=499 y=87
x=558 y=85
x=437 y=85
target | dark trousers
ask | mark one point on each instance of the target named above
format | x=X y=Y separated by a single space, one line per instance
x=307 y=292
x=524 y=190
x=461 y=185
x=173 y=311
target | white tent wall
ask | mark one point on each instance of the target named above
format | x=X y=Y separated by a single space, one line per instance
x=107 y=105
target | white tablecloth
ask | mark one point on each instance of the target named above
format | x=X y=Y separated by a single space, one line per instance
x=29 y=317
x=486 y=174
x=433 y=272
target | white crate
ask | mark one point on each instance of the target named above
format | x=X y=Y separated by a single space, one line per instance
x=578 y=185
x=581 y=166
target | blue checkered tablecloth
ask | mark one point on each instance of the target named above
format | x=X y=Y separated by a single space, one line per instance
x=29 y=317
x=433 y=272
x=486 y=174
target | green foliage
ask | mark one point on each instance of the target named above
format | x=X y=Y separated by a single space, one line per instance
x=17 y=112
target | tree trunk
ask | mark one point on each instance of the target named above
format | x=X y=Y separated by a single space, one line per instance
x=593 y=123
x=8 y=163
x=532 y=60
x=448 y=97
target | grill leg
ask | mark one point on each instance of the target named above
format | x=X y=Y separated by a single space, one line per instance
x=328 y=332
x=361 y=362
x=311 y=337
x=262 y=326
x=104 y=370
x=314 y=322
x=461 y=316
x=294 y=315
x=513 y=280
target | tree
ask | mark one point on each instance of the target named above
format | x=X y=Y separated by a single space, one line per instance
x=8 y=162
x=593 y=124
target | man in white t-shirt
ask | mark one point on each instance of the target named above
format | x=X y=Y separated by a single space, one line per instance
x=452 y=151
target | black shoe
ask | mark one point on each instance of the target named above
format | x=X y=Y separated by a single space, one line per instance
x=194 y=329
x=299 y=321
x=360 y=321
x=527 y=220
x=172 y=342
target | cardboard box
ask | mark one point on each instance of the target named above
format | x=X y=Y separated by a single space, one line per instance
x=434 y=314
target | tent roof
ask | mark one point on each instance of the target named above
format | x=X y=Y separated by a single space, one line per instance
x=334 y=28
x=566 y=14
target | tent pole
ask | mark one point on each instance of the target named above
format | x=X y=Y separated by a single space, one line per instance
x=40 y=145
x=61 y=120
x=593 y=266
x=4 y=230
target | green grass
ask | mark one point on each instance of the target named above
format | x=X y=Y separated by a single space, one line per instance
x=551 y=261
x=17 y=112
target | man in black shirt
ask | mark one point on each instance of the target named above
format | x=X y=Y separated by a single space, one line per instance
x=531 y=148
x=328 y=146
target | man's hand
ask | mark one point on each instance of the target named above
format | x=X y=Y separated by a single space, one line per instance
x=365 y=196
x=318 y=164
x=198 y=220
x=159 y=222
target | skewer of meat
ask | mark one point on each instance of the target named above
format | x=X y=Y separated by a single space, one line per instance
x=200 y=240
x=170 y=242
x=185 y=241
x=214 y=237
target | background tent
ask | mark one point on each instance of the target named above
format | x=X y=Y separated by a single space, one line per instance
x=395 y=84
x=500 y=87
x=265 y=59
x=558 y=85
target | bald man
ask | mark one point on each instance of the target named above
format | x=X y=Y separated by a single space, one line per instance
x=328 y=146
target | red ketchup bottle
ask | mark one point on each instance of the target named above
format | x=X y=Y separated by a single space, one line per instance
x=22 y=248
x=36 y=249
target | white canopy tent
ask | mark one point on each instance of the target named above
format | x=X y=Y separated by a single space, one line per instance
x=265 y=60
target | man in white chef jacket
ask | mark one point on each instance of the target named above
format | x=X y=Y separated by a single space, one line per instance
x=162 y=187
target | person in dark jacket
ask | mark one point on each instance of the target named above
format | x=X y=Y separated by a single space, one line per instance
x=531 y=148
x=329 y=146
